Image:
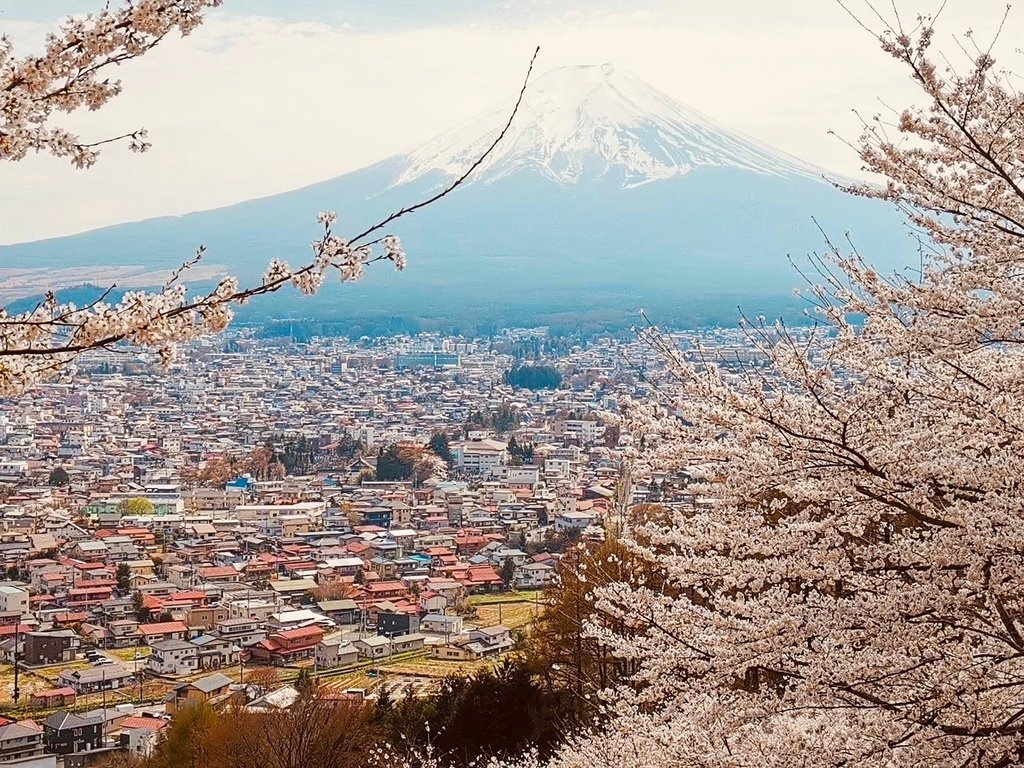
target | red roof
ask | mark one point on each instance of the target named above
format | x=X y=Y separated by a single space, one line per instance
x=385 y=586
x=85 y=591
x=50 y=693
x=301 y=632
x=369 y=529
x=84 y=566
x=163 y=628
x=217 y=572
x=148 y=723
x=193 y=594
x=71 y=617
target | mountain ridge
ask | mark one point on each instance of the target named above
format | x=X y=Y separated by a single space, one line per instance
x=570 y=113
x=609 y=230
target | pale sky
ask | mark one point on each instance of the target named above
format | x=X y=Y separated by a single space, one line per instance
x=270 y=95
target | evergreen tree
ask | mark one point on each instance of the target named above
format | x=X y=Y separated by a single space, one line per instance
x=393 y=465
x=124 y=576
x=59 y=477
x=508 y=572
x=441 y=447
x=141 y=611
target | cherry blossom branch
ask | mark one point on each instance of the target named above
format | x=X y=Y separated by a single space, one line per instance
x=40 y=343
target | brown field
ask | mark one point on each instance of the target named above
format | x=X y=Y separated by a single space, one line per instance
x=512 y=615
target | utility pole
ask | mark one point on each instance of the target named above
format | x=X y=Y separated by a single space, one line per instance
x=623 y=497
x=138 y=677
x=17 y=639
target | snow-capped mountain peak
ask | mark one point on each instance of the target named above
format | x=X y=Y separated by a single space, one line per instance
x=587 y=122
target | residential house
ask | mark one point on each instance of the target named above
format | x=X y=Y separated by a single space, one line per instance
x=410 y=642
x=122 y=633
x=173 y=657
x=13 y=599
x=288 y=645
x=478 y=644
x=241 y=632
x=534 y=575
x=568 y=521
x=212 y=689
x=397 y=623
x=51 y=647
x=376 y=647
x=139 y=735
x=53 y=697
x=105 y=678
x=340 y=611
x=440 y=624
x=166 y=630
x=492 y=640
x=21 y=744
x=215 y=652
x=207 y=616
x=88 y=596
x=65 y=733
x=334 y=651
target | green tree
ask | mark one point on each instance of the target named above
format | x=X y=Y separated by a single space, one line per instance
x=441 y=447
x=186 y=744
x=136 y=506
x=508 y=572
x=533 y=377
x=124 y=578
x=141 y=611
x=59 y=477
x=304 y=681
x=497 y=712
x=393 y=464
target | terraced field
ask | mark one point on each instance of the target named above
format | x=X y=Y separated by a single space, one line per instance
x=516 y=610
x=526 y=596
x=512 y=615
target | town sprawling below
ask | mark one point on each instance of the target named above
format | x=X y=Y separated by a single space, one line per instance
x=372 y=516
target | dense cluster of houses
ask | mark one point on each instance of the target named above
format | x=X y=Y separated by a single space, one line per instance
x=151 y=511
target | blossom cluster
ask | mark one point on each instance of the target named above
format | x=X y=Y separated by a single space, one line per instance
x=42 y=343
x=71 y=74
x=847 y=591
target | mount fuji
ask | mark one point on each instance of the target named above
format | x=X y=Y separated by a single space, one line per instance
x=582 y=123
x=604 y=196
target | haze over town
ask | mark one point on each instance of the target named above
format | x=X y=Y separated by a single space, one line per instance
x=365 y=83
x=332 y=431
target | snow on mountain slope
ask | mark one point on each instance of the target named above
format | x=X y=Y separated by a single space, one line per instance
x=586 y=122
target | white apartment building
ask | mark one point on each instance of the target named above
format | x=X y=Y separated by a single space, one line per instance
x=480 y=457
x=13 y=599
x=587 y=431
x=271 y=518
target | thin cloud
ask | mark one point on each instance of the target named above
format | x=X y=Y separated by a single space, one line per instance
x=251 y=105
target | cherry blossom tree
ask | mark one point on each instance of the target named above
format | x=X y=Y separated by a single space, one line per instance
x=849 y=590
x=72 y=74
